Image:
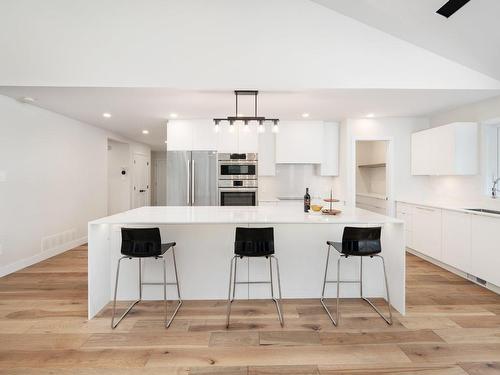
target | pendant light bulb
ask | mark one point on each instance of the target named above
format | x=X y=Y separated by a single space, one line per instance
x=231 y=126
x=261 y=128
x=246 y=128
x=276 y=129
x=217 y=126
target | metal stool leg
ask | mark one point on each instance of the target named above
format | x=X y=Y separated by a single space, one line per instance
x=232 y=280
x=388 y=320
x=179 y=300
x=276 y=301
x=322 y=300
x=113 y=325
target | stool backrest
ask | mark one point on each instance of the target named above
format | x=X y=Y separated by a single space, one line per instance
x=254 y=242
x=141 y=242
x=360 y=241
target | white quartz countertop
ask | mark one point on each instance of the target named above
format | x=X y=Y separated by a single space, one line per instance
x=458 y=206
x=241 y=215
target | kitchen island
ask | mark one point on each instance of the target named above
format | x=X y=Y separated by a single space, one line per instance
x=205 y=237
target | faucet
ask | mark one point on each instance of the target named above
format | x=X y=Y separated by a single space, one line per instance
x=494 y=189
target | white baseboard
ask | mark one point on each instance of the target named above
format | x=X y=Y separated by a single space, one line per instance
x=23 y=263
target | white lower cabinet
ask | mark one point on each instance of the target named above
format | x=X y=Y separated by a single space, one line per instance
x=485 y=257
x=457 y=240
x=427 y=231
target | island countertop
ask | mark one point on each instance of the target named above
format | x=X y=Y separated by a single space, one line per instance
x=242 y=215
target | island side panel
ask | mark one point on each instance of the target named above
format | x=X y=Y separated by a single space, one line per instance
x=98 y=268
x=394 y=252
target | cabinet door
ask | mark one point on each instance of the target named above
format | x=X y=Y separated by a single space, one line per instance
x=330 y=161
x=485 y=253
x=179 y=135
x=299 y=142
x=427 y=231
x=457 y=240
x=267 y=152
x=204 y=135
x=227 y=138
x=248 y=139
x=420 y=154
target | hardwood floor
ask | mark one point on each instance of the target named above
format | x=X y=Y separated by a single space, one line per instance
x=452 y=328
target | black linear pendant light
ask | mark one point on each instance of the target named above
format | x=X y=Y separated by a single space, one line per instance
x=452 y=6
x=246 y=119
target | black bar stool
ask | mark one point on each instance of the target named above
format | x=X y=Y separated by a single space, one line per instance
x=139 y=243
x=358 y=242
x=252 y=243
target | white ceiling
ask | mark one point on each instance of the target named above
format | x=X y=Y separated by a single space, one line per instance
x=135 y=109
x=470 y=37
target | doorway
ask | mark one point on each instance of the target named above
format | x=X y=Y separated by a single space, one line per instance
x=372 y=177
x=141 y=178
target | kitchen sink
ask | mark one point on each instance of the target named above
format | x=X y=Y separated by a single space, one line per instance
x=483 y=210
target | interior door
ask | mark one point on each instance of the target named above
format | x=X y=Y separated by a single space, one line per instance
x=204 y=178
x=141 y=166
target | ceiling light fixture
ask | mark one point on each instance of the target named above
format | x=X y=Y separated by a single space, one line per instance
x=217 y=126
x=261 y=128
x=305 y=115
x=145 y=131
x=370 y=115
x=106 y=115
x=275 y=126
x=246 y=119
x=27 y=100
x=174 y=115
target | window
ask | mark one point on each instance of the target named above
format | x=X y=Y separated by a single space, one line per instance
x=492 y=150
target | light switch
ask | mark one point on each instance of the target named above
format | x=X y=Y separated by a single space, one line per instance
x=3 y=176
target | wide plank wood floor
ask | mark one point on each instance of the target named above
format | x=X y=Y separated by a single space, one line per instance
x=452 y=328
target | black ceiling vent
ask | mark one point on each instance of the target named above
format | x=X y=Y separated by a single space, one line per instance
x=448 y=9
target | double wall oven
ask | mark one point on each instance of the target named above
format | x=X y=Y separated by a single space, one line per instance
x=238 y=179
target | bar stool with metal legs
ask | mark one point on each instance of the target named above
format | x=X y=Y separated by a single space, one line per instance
x=358 y=242
x=252 y=243
x=140 y=243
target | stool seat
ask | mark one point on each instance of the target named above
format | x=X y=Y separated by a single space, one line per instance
x=367 y=249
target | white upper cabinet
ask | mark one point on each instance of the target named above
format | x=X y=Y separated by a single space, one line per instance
x=267 y=152
x=446 y=150
x=299 y=142
x=248 y=138
x=227 y=138
x=191 y=135
x=331 y=139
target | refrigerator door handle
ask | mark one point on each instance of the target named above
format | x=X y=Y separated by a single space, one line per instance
x=187 y=182
x=192 y=182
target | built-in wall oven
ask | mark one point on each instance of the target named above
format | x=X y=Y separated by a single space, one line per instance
x=238 y=184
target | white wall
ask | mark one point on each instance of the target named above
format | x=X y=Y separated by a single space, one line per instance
x=398 y=130
x=55 y=182
x=470 y=188
x=217 y=44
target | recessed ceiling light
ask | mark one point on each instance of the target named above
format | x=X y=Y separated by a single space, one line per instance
x=370 y=115
x=174 y=115
x=145 y=131
x=27 y=100
x=305 y=115
x=106 y=115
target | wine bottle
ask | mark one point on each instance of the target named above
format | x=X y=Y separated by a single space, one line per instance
x=307 y=201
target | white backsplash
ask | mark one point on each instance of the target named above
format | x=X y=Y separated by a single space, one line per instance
x=291 y=180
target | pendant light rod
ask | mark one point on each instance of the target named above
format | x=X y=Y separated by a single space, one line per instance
x=255 y=117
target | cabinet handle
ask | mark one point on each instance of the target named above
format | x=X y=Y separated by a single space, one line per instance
x=425 y=209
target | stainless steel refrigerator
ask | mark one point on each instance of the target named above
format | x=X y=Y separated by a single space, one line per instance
x=192 y=178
